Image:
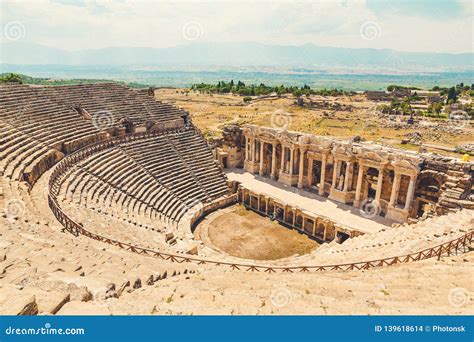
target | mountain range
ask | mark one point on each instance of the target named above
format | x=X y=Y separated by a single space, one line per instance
x=248 y=56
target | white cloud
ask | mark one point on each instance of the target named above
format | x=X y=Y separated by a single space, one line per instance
x=96 y=24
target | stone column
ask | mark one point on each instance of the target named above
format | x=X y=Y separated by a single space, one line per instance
x=309 y=176
x=378 y=191
x=315 y=221
x=252 y=149
x=260 y=171
x=273 y=174
x=410 y=192
x=335 y=169
x=256 y=151
x=323 y=175
x=347 y=176
x=395 y=189
x=246 y=148
x=283 y=152
x=292 y=151
x=360 y=176
x=301 y=169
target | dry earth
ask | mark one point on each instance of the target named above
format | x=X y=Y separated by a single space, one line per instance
x=211 y=112
x=245 y=234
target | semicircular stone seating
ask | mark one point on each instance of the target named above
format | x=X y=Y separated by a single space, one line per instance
x=151 y=182
x=35 y=132
x=148 y=183
x=40 y=124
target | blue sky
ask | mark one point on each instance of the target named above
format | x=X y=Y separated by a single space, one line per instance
x=419 y=25
x=436 y=9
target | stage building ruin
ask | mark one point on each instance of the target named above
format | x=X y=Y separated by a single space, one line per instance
x=401 y=184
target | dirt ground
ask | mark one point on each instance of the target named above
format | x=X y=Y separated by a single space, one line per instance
x=338 y=116
x=251 y=236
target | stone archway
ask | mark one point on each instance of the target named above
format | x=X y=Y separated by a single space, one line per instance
x=371 y=180
x=427 y=192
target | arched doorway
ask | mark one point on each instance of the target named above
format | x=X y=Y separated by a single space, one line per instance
x=428 y=190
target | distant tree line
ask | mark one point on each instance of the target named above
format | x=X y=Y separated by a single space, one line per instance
x=242 y=89
x=25 y=79
x=452 y=93
x=11 y=78
x=393 y=87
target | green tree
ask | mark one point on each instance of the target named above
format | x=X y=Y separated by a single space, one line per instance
x=452 y=95
x=11 y=78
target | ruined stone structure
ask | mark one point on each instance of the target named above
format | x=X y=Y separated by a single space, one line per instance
x=376 y=95
x=229 y=152
x=97 y=182
x=402 y=184
x=319 y=227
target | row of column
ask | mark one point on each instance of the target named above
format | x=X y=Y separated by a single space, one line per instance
x=251 y=150
x=286 y=210
x=396 y=190
x=337 y=172
x=251 y=155
x=322 y=175
x=378 y=193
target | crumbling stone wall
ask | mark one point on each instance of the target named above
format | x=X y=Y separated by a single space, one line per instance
x=229 y=150
x=456 y=191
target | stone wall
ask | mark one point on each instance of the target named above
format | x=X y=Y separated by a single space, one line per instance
x=318 y=227
x=34 y=171
x=228 y=149
x=207 y=208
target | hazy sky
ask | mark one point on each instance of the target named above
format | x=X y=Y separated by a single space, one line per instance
x=406 y=25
